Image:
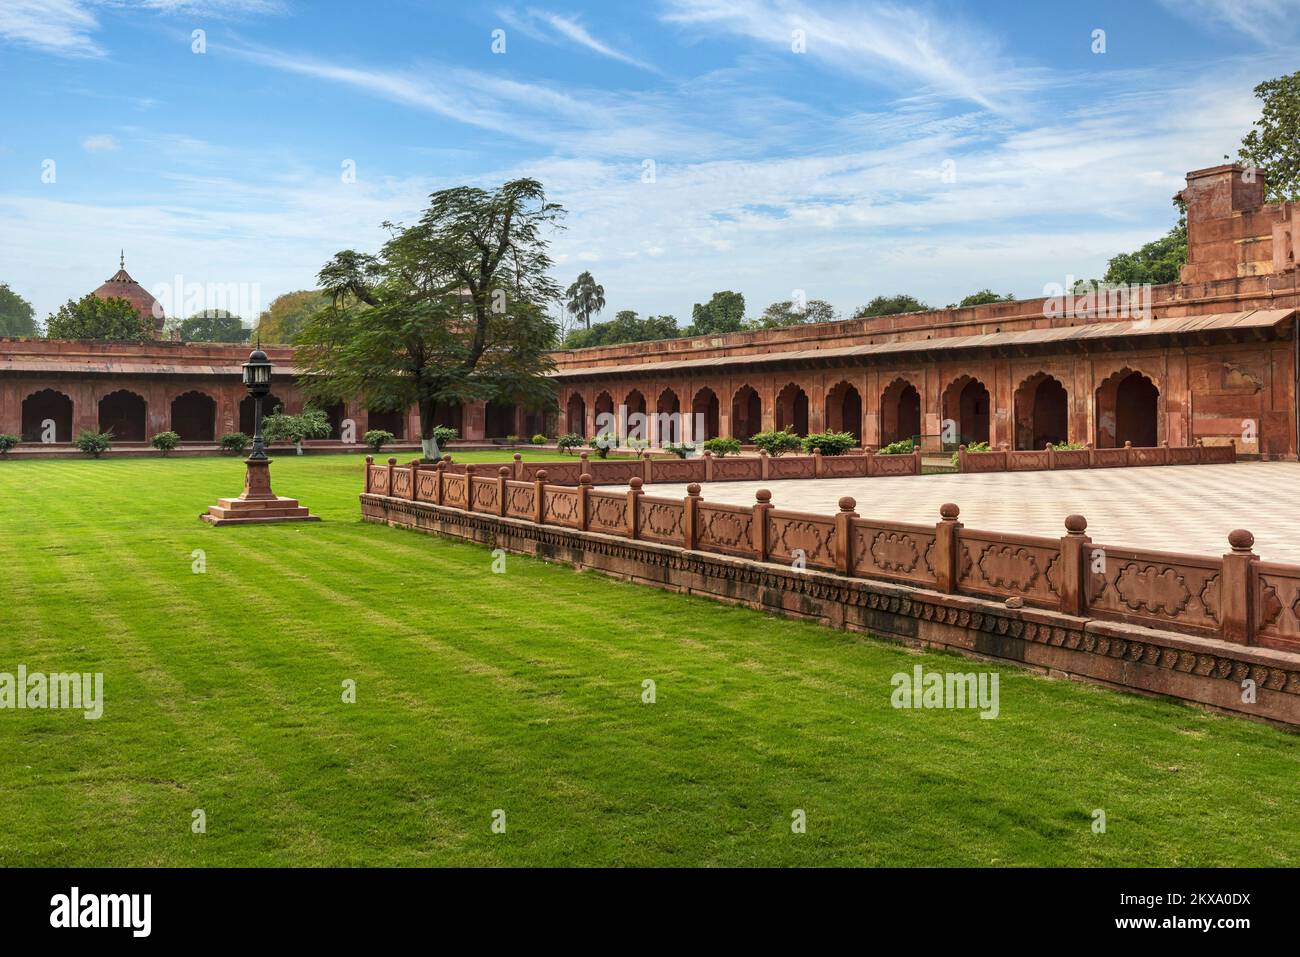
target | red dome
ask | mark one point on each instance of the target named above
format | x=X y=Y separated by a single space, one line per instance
x=122 y=286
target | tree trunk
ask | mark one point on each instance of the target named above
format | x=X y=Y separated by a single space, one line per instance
x=428 y=443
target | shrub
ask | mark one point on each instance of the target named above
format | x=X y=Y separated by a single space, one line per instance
x=539 y=439
x=94 y=443
x=971 y=447
x=568 y=442
x=602 y=443
x=512 y=440
x=829 y=443
x=777 y=443
x=378 y=438
x=312 y=424
x=681 y=451
x=1068 y=446
x=901 y=447
x=7 y=442
x=165 y=442
x=722 y=447
x=235 y=442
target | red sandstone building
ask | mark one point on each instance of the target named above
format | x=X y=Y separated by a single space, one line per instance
x=1213 y=359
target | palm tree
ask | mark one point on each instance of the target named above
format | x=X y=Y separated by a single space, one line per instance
x=586 y=298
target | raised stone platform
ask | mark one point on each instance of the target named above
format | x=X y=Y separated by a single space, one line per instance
x=237 y=511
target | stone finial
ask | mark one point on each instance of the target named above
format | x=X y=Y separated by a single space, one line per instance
x=446 y=456
x=1047 y=447
x=1003 y=447
x=961 y=448
x=504 y=471
x=392 y=461
x=584 y=478
x=541 y=475
x=949 y=512
x=848 y=503
x=518 y=457
x=763 y=495
x=1241 y=540
x=708 y=454
x=370 y=460
x=636 y=483
x=1128 y=443
x=1076 y=524
x=762 y=452
x=693 y=488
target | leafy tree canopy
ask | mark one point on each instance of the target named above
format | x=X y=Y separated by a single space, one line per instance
x=626 y=326
x=983 y=297
x=1273 y=144
x=214 y=325
x=450 y=310
x=585 y=298
x=281 y=321
x=788 y=313
x=724 y=312
x=890 y=306
x=1159 y=261
x=17 y=317
x=90 y=317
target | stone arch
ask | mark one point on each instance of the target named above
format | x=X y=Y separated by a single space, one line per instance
x=576 y=414
x=605 y=415
x=900 y=412
x=966 y=404
x=499 y=419
x=125 y=414
x=705 y=409
x=451 y=415
x=194 y=417
x=1042 y=412
x=792 y=409
x=336 y=412
x=634 y=404
x=270 y=403
x=47 y=404
x=746 y=413
x=844 y=410
x=667 y=428
x=1128 y=410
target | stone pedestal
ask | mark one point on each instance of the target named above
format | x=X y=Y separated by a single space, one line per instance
x=258 y=505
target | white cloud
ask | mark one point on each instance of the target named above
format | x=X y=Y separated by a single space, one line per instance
x=569 y=28
x=1268 y=22
x=63 y=27
x=99 y=143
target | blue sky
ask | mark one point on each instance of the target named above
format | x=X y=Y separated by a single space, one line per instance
x=933 y=148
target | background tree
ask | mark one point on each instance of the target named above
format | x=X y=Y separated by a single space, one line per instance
x=17 y=317
x=890 y=306
x=281 y=321
x=586 y=298
x=983 y=298
x=214 y=325
x=787 y=313
x=1273 y=145
x=724 y=312
x=450 y=310
x=93 y=318
x=626 y=326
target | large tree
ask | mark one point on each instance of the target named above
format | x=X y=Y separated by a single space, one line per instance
x=214 y=325
x=93 y=318
x=281 y=321
x=983 y=298
x=890 y=306
x=17 y=317
x=626 y=326
x=585 y=298
x=724 y=312
x=788 y=313
x=450 y=310
x=1274 y=143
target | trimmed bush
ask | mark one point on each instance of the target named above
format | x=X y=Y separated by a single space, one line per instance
x=971 y=447
x=165 y=442
x=235 y=442
x=94 y=443
x=777 y=443
x=568 y=442
x=539 y=439
x=829 y=443
x=376 y=439
x=7 y=442
x=312 y=424
x=722 y=447
x=603 y=443
x=681 y=451
x=901 y=447
x=1068 y=446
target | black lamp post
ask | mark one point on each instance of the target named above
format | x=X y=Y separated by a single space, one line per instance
x=257 y=379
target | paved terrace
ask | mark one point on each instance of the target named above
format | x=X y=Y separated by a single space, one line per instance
x=1188 y=508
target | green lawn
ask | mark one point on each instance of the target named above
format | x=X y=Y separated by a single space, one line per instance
x=522 y=692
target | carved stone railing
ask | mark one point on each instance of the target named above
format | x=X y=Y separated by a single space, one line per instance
x=1049 y=458
x=1235 y=598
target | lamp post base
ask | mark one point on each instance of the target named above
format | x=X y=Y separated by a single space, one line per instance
x=258 y=505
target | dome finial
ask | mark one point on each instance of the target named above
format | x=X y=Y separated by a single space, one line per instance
x=121 y=259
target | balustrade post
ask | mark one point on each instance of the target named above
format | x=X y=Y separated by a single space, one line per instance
x=370 y=460
x=691 y=517
x=539 y=484
x=946 y=545
x=441 y=470
x=634 y=508
x=584 y=501
x=764 y=463
x=916 y=460
x=1051 y=456
x=469 y=487
x=1237 y=587
x=708 y=466
x=817 y=463
x=844 y=535
x=519 y=467
x=392 y=464
x=503 y=473
x=1074 y=566
x=961 y=459
x=1128 y=451
x=762 y=506
x=415 y=479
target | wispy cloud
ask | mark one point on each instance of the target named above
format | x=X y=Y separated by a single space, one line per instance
x=64 y=27
x=99 y=143
x=874 y=41
x=548 y=27
x=1269 y=22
